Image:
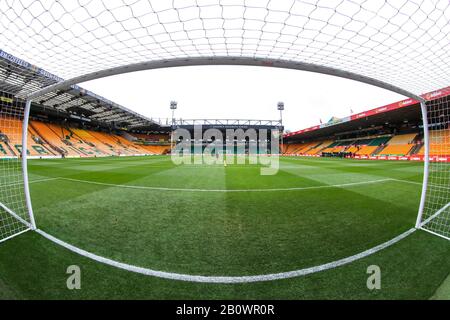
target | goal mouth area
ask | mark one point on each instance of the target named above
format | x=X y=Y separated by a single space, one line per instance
x=436 y=223
x=203 y=237
x=11 y=224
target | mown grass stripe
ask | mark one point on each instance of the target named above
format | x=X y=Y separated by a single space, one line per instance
x=342 y=185
x=226 y=279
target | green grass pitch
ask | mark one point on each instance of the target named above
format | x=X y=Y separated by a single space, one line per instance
x=187 y=219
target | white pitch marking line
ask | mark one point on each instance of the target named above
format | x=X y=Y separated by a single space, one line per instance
x=43 y=180
x=435 y=214
x=15 y=215
x=32 y=181
x=14 y=235
x=230 y=190
x=407 y=181
x=226 y=279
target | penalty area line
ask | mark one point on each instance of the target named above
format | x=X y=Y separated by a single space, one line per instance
x=342 y=185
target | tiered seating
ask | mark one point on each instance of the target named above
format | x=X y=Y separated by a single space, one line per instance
x=378 y=141
x=85 y=142
x=132 y=147
x=4 y=150
x=368 y=146
x=151 y=137
x=306 y=147
x=366 y=150
x=397 y=149
x=11 y=128
x=52 y=134
x=403 y=139
x=294 y=148
x=111 y=142
x=399 y=145
x=318 y=148
x=52 y=139
x=156 y=149
x=439 y=143
x=38 y=144
x=352 y=149
x=337 y=146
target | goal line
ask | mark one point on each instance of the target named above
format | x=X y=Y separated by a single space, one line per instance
x=227 y=279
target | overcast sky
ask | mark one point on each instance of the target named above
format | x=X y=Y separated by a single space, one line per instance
x=236 y=92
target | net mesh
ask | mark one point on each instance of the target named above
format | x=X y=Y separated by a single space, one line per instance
x=436 y=214
x=401 y=42
x=13 y=211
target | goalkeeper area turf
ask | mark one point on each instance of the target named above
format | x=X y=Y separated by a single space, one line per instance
x=216 y=220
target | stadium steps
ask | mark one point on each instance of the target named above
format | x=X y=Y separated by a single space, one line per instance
x=318 y=148
x=49 y=135
x=12 y=129
x=399 y=145
x=86 y=142
x=415 y=149
x=3 y=150
x=89 y=136
x=379 y=149
x=51 y=146
x=41 y=142
x=11 y=150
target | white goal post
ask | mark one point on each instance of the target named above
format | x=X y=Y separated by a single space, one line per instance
x=15 y=216
x=398 y=45
x=434 y=211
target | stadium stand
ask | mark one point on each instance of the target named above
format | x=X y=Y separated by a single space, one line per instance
x=306 y=147
x=295 y=148
x=337 y=146
x=51 y=139
x=369 y=147
x=399 y=145
x=439 y=143
x=366 y=150
x=114 y=144
x=151 y=137
x=156 y=149
x=49 y=133
x=402 y=144
x=11 y=133
x=322 y=145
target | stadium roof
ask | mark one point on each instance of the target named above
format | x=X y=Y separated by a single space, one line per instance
x=408 y=109
x=228 y=123
x=18 y=76
x=398 y=45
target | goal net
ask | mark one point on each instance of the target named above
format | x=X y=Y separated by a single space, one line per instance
x=435 y=216
x=14 y=218
x=399 y=45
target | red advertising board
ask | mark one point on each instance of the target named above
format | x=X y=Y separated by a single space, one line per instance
x=393 y=158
